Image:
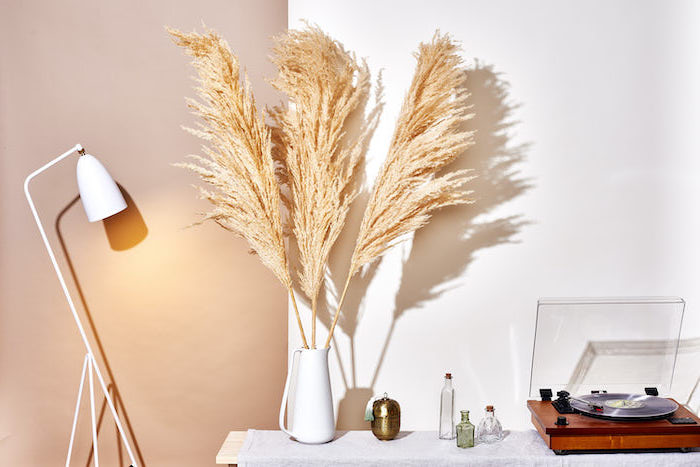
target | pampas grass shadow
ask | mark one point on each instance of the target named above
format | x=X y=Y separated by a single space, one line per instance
x=443 y=250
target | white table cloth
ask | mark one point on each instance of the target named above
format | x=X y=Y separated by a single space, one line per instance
x=422 y=448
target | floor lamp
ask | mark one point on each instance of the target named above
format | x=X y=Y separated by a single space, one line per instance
x=101 y=198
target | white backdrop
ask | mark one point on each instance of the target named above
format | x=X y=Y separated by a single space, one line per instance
x=587 y=116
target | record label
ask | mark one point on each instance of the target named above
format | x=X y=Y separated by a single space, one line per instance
x=624 y=404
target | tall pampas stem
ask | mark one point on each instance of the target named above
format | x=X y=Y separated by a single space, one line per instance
x=428 y=136
x=320 y=159
x=238 y=167
x=337 y=311
x=296 y=312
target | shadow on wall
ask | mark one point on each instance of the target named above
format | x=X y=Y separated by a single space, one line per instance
x=442 y=250
x=124 y=230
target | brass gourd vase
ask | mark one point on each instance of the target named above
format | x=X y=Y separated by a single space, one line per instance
x=386 y=418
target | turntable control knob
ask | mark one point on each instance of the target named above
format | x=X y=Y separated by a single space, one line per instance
x=561 y=420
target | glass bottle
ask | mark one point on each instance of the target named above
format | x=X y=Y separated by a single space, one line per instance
x=447 y=401
x=465 y=431
x=490 y=430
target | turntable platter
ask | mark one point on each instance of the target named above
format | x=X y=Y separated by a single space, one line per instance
x=622 y=406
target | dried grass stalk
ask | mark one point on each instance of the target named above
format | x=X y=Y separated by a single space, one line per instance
x=238 y=165
x=428 y=136
x=325 y=85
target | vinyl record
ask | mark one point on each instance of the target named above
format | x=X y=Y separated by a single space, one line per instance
x=622 y=406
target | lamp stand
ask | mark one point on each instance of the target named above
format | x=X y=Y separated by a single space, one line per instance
x=90 y=366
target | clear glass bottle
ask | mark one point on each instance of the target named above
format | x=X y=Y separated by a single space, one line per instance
x=489 y=430
x=447 y=402
x=465 y=431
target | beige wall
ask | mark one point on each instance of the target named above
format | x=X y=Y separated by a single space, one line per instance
x=193 y=327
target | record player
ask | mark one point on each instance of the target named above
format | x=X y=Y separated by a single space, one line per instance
x=598 y=367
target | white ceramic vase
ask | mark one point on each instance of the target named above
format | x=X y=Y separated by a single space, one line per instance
x=311 y=412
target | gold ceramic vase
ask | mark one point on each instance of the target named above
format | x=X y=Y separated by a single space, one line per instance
x=387 y=418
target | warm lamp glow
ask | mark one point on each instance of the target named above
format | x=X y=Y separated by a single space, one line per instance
x=99 y=193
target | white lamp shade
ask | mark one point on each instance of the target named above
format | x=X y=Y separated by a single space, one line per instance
x=99 y=193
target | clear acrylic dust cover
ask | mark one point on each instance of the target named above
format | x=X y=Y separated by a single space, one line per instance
x=606 y=344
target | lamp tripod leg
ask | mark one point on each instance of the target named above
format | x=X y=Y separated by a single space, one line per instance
x=114 y=412
x=90 y=367
x=77 y=410
x=92 y=413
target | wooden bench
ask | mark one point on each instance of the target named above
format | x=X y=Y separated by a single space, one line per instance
x=228 y=454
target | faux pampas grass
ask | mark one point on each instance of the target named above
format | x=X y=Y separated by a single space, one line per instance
x=427 y=137
x=238 y=165
x=320 y=159
x=316 y=149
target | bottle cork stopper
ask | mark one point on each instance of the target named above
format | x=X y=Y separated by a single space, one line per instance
x=448 y=375
x=489 y=408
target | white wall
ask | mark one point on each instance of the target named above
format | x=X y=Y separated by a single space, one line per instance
x=599 y=198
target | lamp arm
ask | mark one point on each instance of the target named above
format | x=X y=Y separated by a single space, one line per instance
x=74 y=149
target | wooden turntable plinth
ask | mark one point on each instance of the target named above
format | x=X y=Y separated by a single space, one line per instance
x=584 y=433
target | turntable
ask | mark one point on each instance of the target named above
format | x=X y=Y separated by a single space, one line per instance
x=597 y=356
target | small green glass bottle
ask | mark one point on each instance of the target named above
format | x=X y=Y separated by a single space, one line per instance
x=465 y=431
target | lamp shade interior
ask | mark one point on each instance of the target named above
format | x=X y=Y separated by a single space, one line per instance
x=99 y=193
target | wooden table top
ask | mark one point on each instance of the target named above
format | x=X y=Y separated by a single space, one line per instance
x=228 y=454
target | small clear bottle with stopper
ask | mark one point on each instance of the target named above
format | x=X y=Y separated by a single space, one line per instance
x=446 y=429
x=465 y=431
x=489 y=430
